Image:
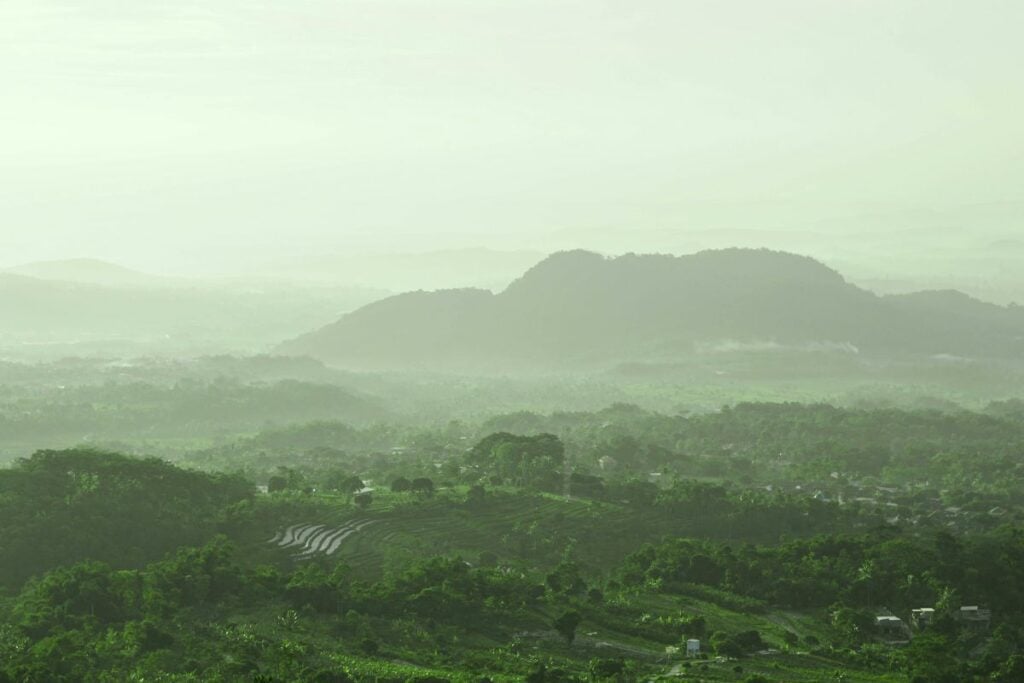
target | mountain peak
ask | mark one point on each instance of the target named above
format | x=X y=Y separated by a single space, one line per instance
x=575 y=268
x=581 y=307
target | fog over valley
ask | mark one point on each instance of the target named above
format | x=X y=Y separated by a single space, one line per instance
x=493 y=341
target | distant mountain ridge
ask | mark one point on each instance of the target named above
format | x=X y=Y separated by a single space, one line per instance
x=580 y=307
x=87 y=271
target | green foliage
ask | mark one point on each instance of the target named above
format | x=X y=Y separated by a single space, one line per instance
x=566 y=624
x=60 y=507
x=1011 y=670
x=737 y=644
x=607 y=669
x=931 y=658
x=566 y=579
x=853 y=626
x=183 y=408
x=824 y=570
x=422 y=485
x=131 y=578
x=528 y=461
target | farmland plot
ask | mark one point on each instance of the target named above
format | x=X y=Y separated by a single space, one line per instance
x=307 y=540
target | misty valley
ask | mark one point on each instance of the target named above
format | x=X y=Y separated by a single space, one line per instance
x=732 y=465
x=511 y=341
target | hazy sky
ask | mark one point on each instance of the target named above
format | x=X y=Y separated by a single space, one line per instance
x=196 y=133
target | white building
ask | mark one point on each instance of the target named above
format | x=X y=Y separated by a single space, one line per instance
x=974 y=617
x=692 y=647
x=922 y=617
x=890 y=627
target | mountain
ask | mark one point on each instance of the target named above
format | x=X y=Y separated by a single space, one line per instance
x=87 y=271
x=578 y=307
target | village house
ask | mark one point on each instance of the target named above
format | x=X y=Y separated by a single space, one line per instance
x=890 y=627
x=971 y=617
x=921 y=618
x=975 y=618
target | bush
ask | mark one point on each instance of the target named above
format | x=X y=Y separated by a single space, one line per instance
x=736 y=645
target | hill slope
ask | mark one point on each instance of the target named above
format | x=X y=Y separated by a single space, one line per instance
x=61 y=507
x=580 y=307
x=88 y=271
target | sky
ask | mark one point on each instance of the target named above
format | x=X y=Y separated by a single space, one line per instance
x=211 y=135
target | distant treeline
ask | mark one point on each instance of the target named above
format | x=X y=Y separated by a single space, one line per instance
x=191 y=408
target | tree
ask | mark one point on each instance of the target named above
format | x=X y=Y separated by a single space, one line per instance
x=293 y=479
x=736 y=645
x=401 y=485
x=69 y=597
x=566 y=578
x=476 y=494
x=930 y=659
x=538 y=674
x=695 y=627
x=423 y=486
x=341 y=481
x=529 y=461
x=310 y=585
x=566 y=625
x=601 y=669
x=853 y=626
x=363 y=500
x=1011 y=670
x=352 y=484
x=63 y=507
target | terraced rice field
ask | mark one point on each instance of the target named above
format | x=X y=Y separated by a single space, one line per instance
x=536 y=530
x=307 y=540
x=503 y=527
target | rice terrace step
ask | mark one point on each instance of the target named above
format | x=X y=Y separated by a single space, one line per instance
x=310 y=539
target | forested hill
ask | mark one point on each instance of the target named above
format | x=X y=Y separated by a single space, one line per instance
x=61 y=507
x=580 y=307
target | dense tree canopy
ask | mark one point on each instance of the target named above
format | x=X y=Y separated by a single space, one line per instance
x=60 y=507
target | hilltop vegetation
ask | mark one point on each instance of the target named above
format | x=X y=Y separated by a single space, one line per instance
x=62 y=507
